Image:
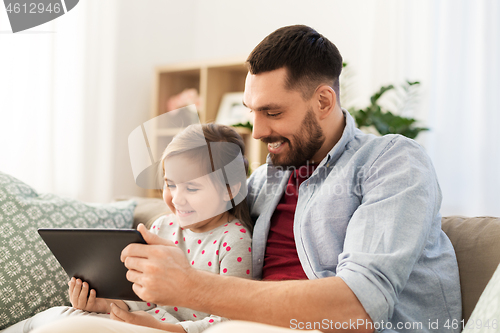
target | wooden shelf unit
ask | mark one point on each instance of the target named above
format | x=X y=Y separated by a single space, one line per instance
x=212 y=79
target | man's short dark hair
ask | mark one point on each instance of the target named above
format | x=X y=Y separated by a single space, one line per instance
x=310 y=59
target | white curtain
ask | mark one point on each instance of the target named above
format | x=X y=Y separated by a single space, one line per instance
x=453 y=48
x=56 y=102
x=464 y=105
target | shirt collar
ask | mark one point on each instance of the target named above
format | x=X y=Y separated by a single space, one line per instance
x=339 y=148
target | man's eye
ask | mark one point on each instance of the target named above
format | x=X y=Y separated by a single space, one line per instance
x=273 y=114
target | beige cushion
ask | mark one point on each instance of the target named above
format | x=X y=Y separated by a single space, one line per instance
x=147 y=210
x=477 y=244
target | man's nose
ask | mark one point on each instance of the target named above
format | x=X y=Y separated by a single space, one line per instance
x=261 y=127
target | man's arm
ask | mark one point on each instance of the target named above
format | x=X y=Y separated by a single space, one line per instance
x=161 y=274
x=285 y=303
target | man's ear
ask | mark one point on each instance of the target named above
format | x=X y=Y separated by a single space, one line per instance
x=233 y=190
x=327 y=98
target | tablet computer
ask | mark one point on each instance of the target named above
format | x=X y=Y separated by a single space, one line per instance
x=93 y=255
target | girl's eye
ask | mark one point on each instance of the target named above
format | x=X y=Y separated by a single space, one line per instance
x=192 y=189
x=170 y=185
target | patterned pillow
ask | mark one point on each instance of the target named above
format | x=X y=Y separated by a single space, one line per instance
x=486 y=314
x=31 y=279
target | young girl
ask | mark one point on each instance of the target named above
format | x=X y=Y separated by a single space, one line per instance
x=205 y=187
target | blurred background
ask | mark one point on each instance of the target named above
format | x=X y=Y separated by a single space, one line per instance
x=73 y=89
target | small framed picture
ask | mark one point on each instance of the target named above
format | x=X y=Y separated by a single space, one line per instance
x=232 y=111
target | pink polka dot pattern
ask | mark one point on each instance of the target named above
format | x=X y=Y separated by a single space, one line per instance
x=148 y=304
x=162 y=319
x=224 y=251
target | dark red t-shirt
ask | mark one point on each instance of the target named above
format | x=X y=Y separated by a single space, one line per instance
x=281 y=261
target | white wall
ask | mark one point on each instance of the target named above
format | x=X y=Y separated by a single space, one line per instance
x=171 y=31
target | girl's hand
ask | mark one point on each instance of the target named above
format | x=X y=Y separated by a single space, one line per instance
x=142 y=318
x=80 y=298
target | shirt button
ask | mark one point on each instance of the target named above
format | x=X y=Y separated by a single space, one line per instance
x=259 y=260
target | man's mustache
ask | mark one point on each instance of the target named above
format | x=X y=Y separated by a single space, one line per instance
x=271 y=139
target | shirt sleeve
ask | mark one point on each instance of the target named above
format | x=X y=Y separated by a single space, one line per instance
x=139 y=306
x=236 y=253
x=201 y=325
x=388 y=232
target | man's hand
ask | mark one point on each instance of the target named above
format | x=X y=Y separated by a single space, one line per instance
x=142 y=318
x=159 y=271
x=80 y=298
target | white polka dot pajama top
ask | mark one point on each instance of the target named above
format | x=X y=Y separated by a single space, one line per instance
x=225 y=250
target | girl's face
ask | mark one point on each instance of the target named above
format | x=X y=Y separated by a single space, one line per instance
x=194 y=199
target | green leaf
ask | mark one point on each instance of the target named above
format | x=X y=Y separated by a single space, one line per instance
x=379 y=93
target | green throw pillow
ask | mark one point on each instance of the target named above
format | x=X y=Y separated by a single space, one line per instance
x=31 y=279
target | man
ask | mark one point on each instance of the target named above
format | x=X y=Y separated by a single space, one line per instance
x=347 y=223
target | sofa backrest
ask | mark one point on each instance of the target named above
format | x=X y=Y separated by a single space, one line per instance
x=477 y=245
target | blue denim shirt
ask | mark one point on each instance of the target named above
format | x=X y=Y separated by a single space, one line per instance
x=369 y=214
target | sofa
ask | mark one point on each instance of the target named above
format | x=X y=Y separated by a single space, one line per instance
x=476 y=241
x=31 y=280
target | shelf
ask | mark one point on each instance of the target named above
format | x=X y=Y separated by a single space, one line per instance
x=212 y=79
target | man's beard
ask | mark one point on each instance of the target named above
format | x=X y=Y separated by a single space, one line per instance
x=306 y=143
